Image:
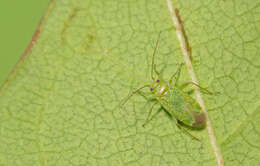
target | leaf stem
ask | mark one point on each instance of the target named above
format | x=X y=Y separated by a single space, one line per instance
x=180 y=32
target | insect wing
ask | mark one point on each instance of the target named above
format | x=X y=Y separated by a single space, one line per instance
x=183 y=107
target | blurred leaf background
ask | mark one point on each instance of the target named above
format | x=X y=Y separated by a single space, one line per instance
x=19 y=20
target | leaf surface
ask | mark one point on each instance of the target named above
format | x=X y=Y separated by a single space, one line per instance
x=60 y=106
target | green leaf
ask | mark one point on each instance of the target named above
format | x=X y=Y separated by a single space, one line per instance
x=60 y=106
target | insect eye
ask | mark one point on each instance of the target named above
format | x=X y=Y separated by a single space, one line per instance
x=151 y=89
x=157 y=80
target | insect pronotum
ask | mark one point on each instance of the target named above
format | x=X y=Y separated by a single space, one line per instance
x=172 y=97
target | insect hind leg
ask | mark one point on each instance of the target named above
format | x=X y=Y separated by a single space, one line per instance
x=186 y=131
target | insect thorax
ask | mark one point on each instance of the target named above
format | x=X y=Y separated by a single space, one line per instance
x=159 y=88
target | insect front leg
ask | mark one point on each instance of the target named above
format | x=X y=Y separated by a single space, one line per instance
x=178 y=72
x=147 y=96
x=147 y=119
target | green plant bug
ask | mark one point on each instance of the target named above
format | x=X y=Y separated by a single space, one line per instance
x=172 y=97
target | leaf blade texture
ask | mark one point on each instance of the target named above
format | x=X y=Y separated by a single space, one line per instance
x=60 y=106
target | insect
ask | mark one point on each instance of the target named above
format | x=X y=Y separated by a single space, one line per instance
x=172 y=97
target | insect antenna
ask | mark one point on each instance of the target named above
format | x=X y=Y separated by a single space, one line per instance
x=156 y=46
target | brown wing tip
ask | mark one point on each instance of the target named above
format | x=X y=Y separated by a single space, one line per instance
x=200 y=120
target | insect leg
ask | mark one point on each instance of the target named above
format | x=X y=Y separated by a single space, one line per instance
x=178 y=72
x=147 y=96
x=134 y=92
x=177 y=123
x=184 y=85
x=190 y=92
x=147 y=119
